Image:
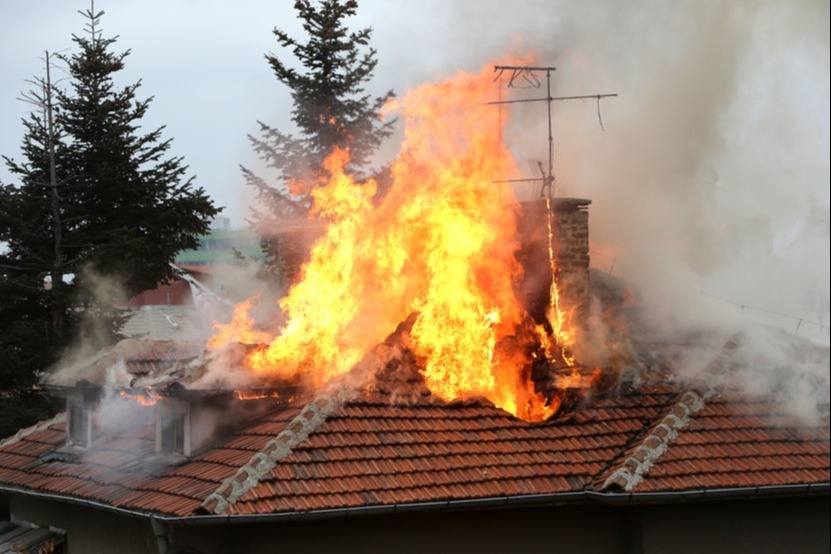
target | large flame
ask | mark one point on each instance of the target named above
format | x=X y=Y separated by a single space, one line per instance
x=439 y=244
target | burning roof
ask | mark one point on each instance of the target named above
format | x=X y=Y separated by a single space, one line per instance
x=131 y=362
x=338 y=453
x=432 y=361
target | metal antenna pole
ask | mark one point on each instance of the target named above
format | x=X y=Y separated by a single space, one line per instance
x=549 y=179
x=525 y=77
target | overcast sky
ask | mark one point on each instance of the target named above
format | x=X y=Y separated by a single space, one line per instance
x=203 y=61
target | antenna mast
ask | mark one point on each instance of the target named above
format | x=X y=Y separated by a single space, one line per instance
x=528 y=75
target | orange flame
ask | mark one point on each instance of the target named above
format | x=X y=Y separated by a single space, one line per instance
x=239 y=329
x=562 y=330
x=440 y=244
x=145 y=398
x=248 y=395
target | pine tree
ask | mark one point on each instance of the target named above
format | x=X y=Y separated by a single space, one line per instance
x=95 y=196
x=330 y=106
x=140 y=210
x=34 y=304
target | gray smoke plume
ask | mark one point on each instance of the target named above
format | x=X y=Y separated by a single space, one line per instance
x=708 y=172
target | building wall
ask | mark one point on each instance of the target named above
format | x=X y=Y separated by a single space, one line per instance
x=759 y=526
x=769 y=526
x=88 y=531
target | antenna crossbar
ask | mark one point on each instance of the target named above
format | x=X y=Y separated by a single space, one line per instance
x=528 y=74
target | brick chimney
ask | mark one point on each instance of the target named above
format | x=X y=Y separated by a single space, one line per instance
x=570 y=231
x=569 y=220
x=571 y=254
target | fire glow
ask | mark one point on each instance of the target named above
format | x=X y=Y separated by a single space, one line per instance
x=255 y=395
x=145 y=398
x=440 y=244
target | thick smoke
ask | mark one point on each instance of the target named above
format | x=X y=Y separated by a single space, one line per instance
x=709 y=177
x=708 y=172
x=116 y=413
x=709 y=180
x=99 y=294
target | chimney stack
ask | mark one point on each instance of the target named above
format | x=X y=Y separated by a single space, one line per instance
x=569 y=219
x=571 y=255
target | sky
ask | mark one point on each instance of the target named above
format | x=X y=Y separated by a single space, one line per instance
x=203 y=62
x=711 y=168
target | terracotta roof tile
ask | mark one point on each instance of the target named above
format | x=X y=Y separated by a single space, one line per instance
x=367 y=453
x=731 y=440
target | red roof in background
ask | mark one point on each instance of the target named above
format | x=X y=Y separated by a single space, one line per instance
x=363 y=453
x=175 y=293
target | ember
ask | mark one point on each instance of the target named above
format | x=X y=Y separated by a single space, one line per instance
x=440 y=244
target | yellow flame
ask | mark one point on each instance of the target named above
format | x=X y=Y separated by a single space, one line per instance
x=440 y=244
x=145 y=398
x=240 y=328
x=562 y=329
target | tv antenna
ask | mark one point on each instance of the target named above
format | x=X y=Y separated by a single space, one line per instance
x=524 y=76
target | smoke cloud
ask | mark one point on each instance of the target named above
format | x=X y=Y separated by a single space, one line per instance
x=708 y=172
x=708 y=175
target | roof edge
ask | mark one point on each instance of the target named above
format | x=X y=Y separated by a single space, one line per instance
x=553 y=499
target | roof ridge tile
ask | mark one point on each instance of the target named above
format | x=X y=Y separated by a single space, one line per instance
x=296 y=431
x=629 y=474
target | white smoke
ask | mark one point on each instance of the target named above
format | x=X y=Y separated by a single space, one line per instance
x=116 y=413
x=708 y=177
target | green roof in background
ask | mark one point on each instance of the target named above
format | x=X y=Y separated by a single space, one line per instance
x=219 y=245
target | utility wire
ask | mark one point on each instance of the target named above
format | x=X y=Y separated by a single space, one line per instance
x=744 y=307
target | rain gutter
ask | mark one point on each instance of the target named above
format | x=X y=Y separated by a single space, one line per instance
x=552 y=499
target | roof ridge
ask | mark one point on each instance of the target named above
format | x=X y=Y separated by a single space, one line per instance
x=629 y=474
x=248 y=476
x=39 y=426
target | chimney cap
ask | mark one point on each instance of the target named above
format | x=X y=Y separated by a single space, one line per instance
x=566 y=204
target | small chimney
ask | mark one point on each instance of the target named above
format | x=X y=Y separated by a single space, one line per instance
x=571 y=255
x=569 y=220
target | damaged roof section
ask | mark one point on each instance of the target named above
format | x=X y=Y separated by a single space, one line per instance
x=392 y=443
x=131 y=362
x=176 y=367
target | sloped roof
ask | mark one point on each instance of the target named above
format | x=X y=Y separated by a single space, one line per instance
x=393 y=445
x=336 y=453
x=730 y=441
